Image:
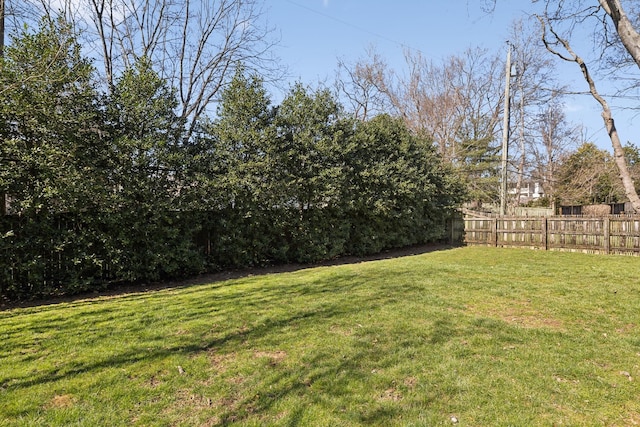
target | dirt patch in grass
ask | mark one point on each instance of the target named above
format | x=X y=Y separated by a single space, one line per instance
x=520 y=313
x=390 y=394
x=410 y=382
x=626 y=329
x=275 y=357
x=60 y=401
x=345 y=332
x=186 y=398
x=632 y=420
x=532 y=321
x=237 y=380
x=194 y=405
x=154 y=382
x=221 y=361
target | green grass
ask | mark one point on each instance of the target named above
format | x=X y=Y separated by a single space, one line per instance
x=489 y=336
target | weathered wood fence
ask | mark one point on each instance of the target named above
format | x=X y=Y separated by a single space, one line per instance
x=606 y=235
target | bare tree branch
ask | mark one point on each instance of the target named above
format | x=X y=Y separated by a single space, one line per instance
x=195 y=44
x=607 y=116
x=628 y=35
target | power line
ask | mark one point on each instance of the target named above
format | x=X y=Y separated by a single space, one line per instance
x=355 y=27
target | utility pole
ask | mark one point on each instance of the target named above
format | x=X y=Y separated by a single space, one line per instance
x=505 y=135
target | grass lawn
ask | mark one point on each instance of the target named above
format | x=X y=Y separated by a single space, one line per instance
x=488 y=336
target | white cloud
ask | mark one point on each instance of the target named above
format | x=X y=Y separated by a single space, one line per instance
x=325 y=3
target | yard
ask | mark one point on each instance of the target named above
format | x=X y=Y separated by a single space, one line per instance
x=471 y=336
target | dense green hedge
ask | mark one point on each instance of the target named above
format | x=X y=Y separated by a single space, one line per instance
x=106 y=188
x=66 y=254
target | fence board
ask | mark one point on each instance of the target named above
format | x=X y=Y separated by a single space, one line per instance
x=611 y=234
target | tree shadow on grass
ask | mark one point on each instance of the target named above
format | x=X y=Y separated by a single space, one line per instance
x=141 y=353
x=95 y=321
x=301 y=304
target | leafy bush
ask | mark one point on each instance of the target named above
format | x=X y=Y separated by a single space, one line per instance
x=105 y=188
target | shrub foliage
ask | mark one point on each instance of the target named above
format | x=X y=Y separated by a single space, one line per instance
x=104 y=188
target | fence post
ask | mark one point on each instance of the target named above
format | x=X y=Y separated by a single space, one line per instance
x=495 y=232
x=545 y=237
x=607 y=235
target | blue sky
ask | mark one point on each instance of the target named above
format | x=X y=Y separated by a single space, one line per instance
x=315 y=33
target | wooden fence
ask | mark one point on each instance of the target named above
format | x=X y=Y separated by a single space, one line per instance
x=605 y=235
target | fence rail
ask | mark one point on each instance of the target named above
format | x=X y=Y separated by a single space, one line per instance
x=606 y=235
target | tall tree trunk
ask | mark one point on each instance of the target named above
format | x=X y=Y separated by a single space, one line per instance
x=618 y=156
x=628 y=35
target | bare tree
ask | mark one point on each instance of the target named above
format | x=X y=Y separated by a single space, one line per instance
x=15 y=13
x=359 y=84
x=588 y=175
x=533 y=87
x=624 y=27
x=554 y=139
x=448 y=102
x=455 y=103
x=195 y=44
x=560 y=46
